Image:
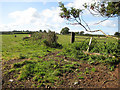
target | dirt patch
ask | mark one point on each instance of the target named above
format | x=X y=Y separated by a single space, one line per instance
x=102 y=77
x=13 y=61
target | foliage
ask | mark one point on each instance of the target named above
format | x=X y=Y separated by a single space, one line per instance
x=81 y=77
x=117 y=34
x=65 y=30
x=76 y=33
x=44 y=31
x=82 y=32
x=69 y=13
x=107 y=50
x=75 y=15
x=49 y=39
x=93 y=69
x=105 y=9
x=43 y=71
x=40 y=30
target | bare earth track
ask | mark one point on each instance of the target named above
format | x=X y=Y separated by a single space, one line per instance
x=102 y=78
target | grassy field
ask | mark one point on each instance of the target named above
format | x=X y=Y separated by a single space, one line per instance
x=65 y=39
x=16 y=47
x=31 y=64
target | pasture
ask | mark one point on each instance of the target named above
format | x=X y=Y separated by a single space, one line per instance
x=31 y=64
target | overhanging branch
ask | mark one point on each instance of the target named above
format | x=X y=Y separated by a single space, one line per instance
x=102 y=21
x=94 y=30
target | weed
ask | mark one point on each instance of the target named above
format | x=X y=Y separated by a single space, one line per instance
x=112 y=68
x=16 y=75
x=17 y=65
x=12 y=70
x=81 y=77
x=77 y=70
x=93 y=69
x=86 y=70
x=26 y=72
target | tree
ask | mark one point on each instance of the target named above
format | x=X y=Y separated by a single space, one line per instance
x=75 y=15
x=76 y=32
x=117 y=34
x=40 y=30
x=44 y=31
x=104 y=9
x=27 y=30
x=49 y=31
x=82 y=32
x=65 y=30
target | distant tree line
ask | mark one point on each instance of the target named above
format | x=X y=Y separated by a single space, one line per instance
x=65 y=31
x=16 y=32
x=22 y=32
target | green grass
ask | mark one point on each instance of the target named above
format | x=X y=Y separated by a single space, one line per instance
x=48 y=71
x=17 y=48
x=42 y=71
x=64 y=39
x=110 y=47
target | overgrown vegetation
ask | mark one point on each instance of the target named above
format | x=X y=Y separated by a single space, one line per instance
x=49 y=39
x=43 y=71
x=108 y=52
x=36 y=62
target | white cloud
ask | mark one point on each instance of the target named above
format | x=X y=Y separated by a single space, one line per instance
x=44 y=1
x=26 y=16
x=32 y=19
x=109 y=23
x=53 y=15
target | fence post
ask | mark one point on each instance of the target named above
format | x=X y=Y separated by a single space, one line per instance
x=89 y=44
x=72 y=37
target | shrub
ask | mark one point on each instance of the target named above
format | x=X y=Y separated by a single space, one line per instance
x=49 y=39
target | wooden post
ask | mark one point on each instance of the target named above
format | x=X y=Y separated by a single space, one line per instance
x=89 y=44
x=72 y=37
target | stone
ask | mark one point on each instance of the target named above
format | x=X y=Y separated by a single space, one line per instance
x=11 y=80
x=75 y=83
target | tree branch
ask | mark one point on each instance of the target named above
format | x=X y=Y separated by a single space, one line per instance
x=102 y=21
x=93 y=30
x=94 y=14
x=85 y=22
x=74 y=14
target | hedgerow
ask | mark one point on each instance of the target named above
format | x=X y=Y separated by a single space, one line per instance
x=49 y=39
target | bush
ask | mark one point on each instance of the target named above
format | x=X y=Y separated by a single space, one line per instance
x=49 y=39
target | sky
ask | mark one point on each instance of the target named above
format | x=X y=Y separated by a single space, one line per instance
x=44 y=15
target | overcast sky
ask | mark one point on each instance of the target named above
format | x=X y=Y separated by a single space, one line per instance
x=44 y=15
